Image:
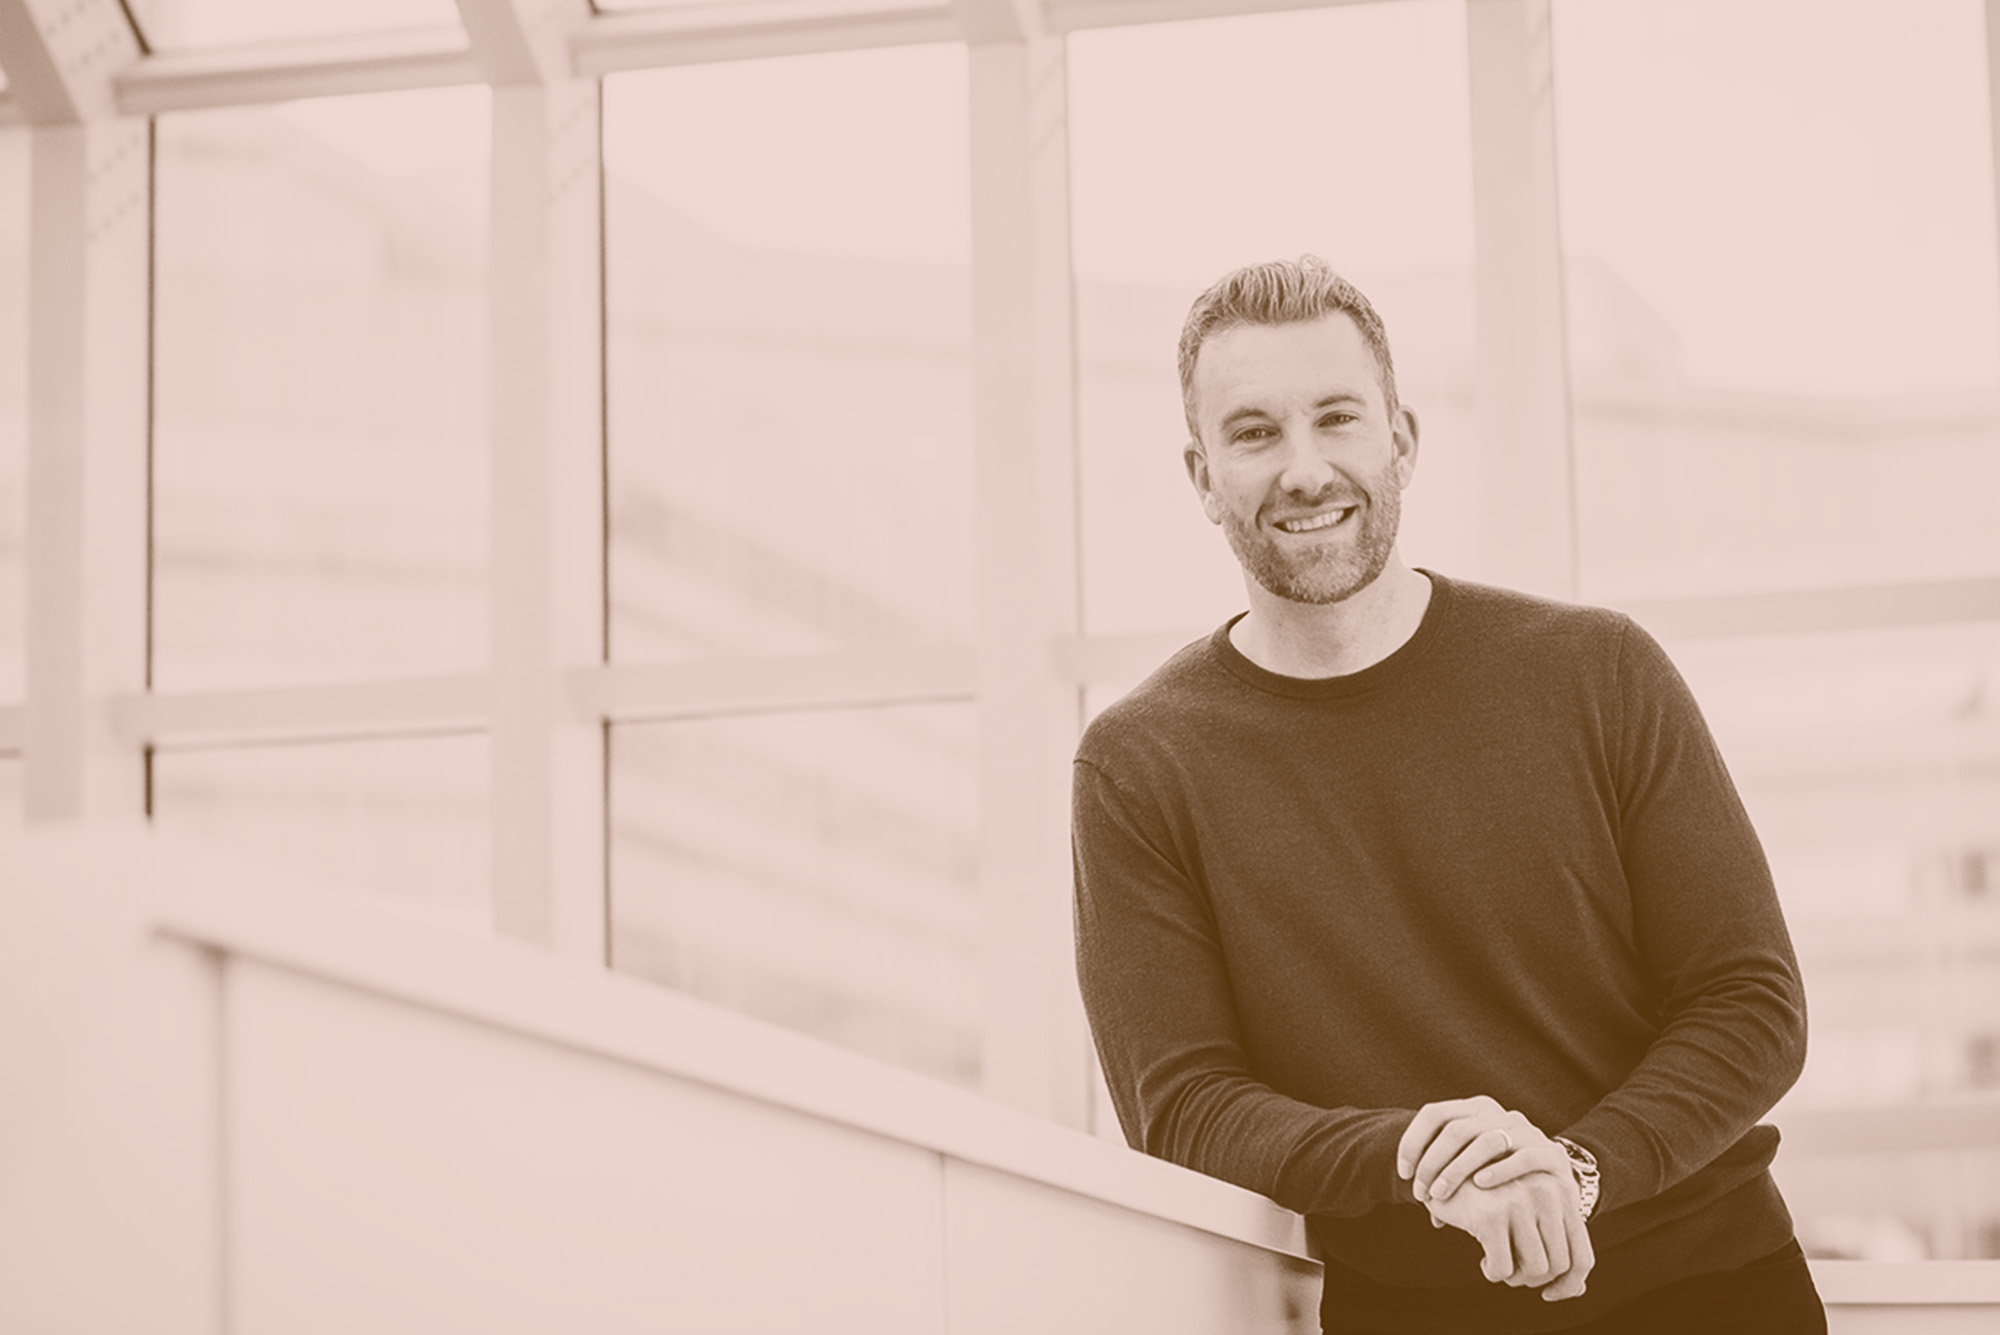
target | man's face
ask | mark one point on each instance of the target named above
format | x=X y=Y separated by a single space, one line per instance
x=1299 y=459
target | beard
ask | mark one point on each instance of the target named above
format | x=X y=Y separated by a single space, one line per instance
x=1327 y=571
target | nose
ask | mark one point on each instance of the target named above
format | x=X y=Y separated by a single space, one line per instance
x=1306 y=471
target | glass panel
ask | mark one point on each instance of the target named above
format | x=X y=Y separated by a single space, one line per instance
x=813 y=869
x=319 y=450
x=403 y=817
x=1785 y=321
x=1177 y=181
x=171 y=25
x=13 y=407
x=1870 y=762
x=790 y=379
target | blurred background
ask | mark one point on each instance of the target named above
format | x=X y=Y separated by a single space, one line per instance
x=1776 y=373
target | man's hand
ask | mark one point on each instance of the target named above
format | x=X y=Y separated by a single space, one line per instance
x=1530 y=1229
x=1446 y=1143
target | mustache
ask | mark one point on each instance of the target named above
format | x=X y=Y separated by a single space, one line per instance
x=1325 y=497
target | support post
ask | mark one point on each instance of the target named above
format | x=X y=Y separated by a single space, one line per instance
x=88 y=313
x=547 y=571
x=1527 y=460
x=1035 y=1046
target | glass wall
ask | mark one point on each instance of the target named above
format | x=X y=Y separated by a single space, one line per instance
x=402 y=817
x=1785 y=326
x=1783 y=299
x=1200 y=147
x=816 y=869
x=790 y=447
x=789 y=357
x=319 y=430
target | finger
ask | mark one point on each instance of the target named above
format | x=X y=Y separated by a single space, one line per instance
x=1452 y=1140
x=1553 y=1227
x=1488 y=1147
x=1541 y=1158
x=1425 y=1125
x=1581 y=1260
x=1531 y=1259
x=1498 y=1262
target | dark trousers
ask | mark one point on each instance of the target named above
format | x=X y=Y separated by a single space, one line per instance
x=1773 y=1295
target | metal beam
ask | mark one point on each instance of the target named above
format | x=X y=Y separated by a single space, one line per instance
x=752 y=29
x=522 y=41
x=711 y=687
x=545 y=370
x=1063 y=16
x=62 y=55
x=88 y=312
x=1527 y=469
x=1035 y=1048
x=416 y=705
x=281 y=71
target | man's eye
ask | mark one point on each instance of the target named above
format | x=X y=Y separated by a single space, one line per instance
x=1337 y=419
x=1250 y=435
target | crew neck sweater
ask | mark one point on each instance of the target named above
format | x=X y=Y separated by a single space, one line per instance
x=1506 y=859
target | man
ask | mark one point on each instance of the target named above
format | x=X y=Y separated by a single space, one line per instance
x=1428 y=909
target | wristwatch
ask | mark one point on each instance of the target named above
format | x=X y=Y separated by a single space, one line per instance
x=1584 y=1164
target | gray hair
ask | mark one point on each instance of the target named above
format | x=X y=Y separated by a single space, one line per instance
x=1281 y=292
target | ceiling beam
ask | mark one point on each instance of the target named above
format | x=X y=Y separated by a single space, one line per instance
x=752 y=29
x=62 y=56
x=280 y=72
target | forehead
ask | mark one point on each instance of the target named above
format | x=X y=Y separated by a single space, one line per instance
x=1273 y=366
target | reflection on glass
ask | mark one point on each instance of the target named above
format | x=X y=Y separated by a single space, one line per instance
x=13 y=405
x=790 y=385
x=1870 y=762
x=173 y=25
x=320 y=468
x=1783 y=304
x=1174 y=185
x=815 y=869
x=404 y=817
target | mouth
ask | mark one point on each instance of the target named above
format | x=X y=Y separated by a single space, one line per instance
x=1320 y=522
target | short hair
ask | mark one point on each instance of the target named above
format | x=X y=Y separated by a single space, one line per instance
x=1280 y=292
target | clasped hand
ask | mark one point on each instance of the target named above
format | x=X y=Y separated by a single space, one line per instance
x=1522 y=1203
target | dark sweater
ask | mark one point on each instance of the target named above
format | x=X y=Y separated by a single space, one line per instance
x=1505 y=860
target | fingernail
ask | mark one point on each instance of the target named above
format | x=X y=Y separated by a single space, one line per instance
x=1402 y=1168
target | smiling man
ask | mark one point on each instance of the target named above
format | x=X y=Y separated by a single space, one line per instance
x=1427 y=908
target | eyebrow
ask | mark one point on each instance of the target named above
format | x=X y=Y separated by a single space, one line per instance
x=1251 y=411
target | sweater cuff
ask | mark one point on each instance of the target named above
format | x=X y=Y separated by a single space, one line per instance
x=1629 y=1165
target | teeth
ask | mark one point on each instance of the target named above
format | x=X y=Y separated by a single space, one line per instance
x=1327 y=520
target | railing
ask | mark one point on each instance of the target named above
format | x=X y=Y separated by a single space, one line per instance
x=273 y=1109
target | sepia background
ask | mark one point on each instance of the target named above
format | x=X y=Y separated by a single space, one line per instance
x=725 y=619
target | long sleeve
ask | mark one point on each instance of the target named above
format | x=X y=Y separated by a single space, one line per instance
x=1710 y=935
x=1161 y=1008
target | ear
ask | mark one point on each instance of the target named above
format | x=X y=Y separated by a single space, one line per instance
x=1403 y=433
x=1197 y=470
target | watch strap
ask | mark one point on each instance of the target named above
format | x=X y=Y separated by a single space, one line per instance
x=1583 y=1164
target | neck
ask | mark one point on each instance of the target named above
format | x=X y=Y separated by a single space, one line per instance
x=1333 y=639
